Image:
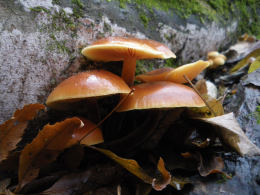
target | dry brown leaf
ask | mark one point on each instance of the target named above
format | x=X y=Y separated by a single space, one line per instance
x=165 y=179
x=209 y=166
x=68 y=184
x=12 y=130
x=232 y=135
x=44 y=149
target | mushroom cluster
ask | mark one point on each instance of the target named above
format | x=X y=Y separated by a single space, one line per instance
x=163 y=88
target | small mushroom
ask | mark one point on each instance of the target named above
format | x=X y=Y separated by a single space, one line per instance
x=86 y=85
x=161 y=94
x=128 y=50
x=216 y=59
x=175 y=75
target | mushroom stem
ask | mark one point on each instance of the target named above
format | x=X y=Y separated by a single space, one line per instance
x=128 y=72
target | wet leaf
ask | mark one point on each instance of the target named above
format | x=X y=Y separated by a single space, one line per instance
x=255 y=65
x=246 y=60
x=68 y=184
x=232 y=135
x=165 y=179
x=44 y=149
x=209 y=165
x=12 y=130
x=133 y=167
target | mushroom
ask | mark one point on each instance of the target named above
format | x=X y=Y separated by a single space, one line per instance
x=175 y=75
x=216 y=59
x=155 y=97
x=89 y=134
x=87 y=87
x=128 y=50
x=161 y=94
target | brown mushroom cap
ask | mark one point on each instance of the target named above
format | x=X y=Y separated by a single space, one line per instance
x=84 y=85
x=128 y=50
x=175 y=75
x=93 y=134
x=118 y=48
x=162 y=94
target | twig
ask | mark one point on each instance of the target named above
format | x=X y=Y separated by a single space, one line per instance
x=205 y=101
x=108 y=115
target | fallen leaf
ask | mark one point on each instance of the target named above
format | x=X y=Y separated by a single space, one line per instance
x=133 y=167
x=215 y=105
x=44 y=149
x=246 y=60
x=12 y=130
x=229 y=131
x=68 y=184
x=165 y=179
x=209 y=165
x=255 y=65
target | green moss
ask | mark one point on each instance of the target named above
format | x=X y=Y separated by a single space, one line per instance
x=40 y=9
x=143 y=66
x=212 y=10
x=170 y=63
x=144 y=19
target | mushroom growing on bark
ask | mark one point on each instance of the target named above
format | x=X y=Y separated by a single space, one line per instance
x=156 y=97
x=161 y=94
x=83 y=90
x=86 y=85
x=128 y=50
x=175 y=75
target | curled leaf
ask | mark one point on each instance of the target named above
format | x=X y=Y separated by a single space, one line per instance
x=133 y=167
x=44 y=148
x=232 y=135
x=210 y=165
x=165 y=179
x=12 y=130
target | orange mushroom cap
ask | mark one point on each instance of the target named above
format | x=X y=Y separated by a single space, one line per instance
x=128 y=50
x=94 y=83
x=175 y=75
x=93 y=134
x=161 y=94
